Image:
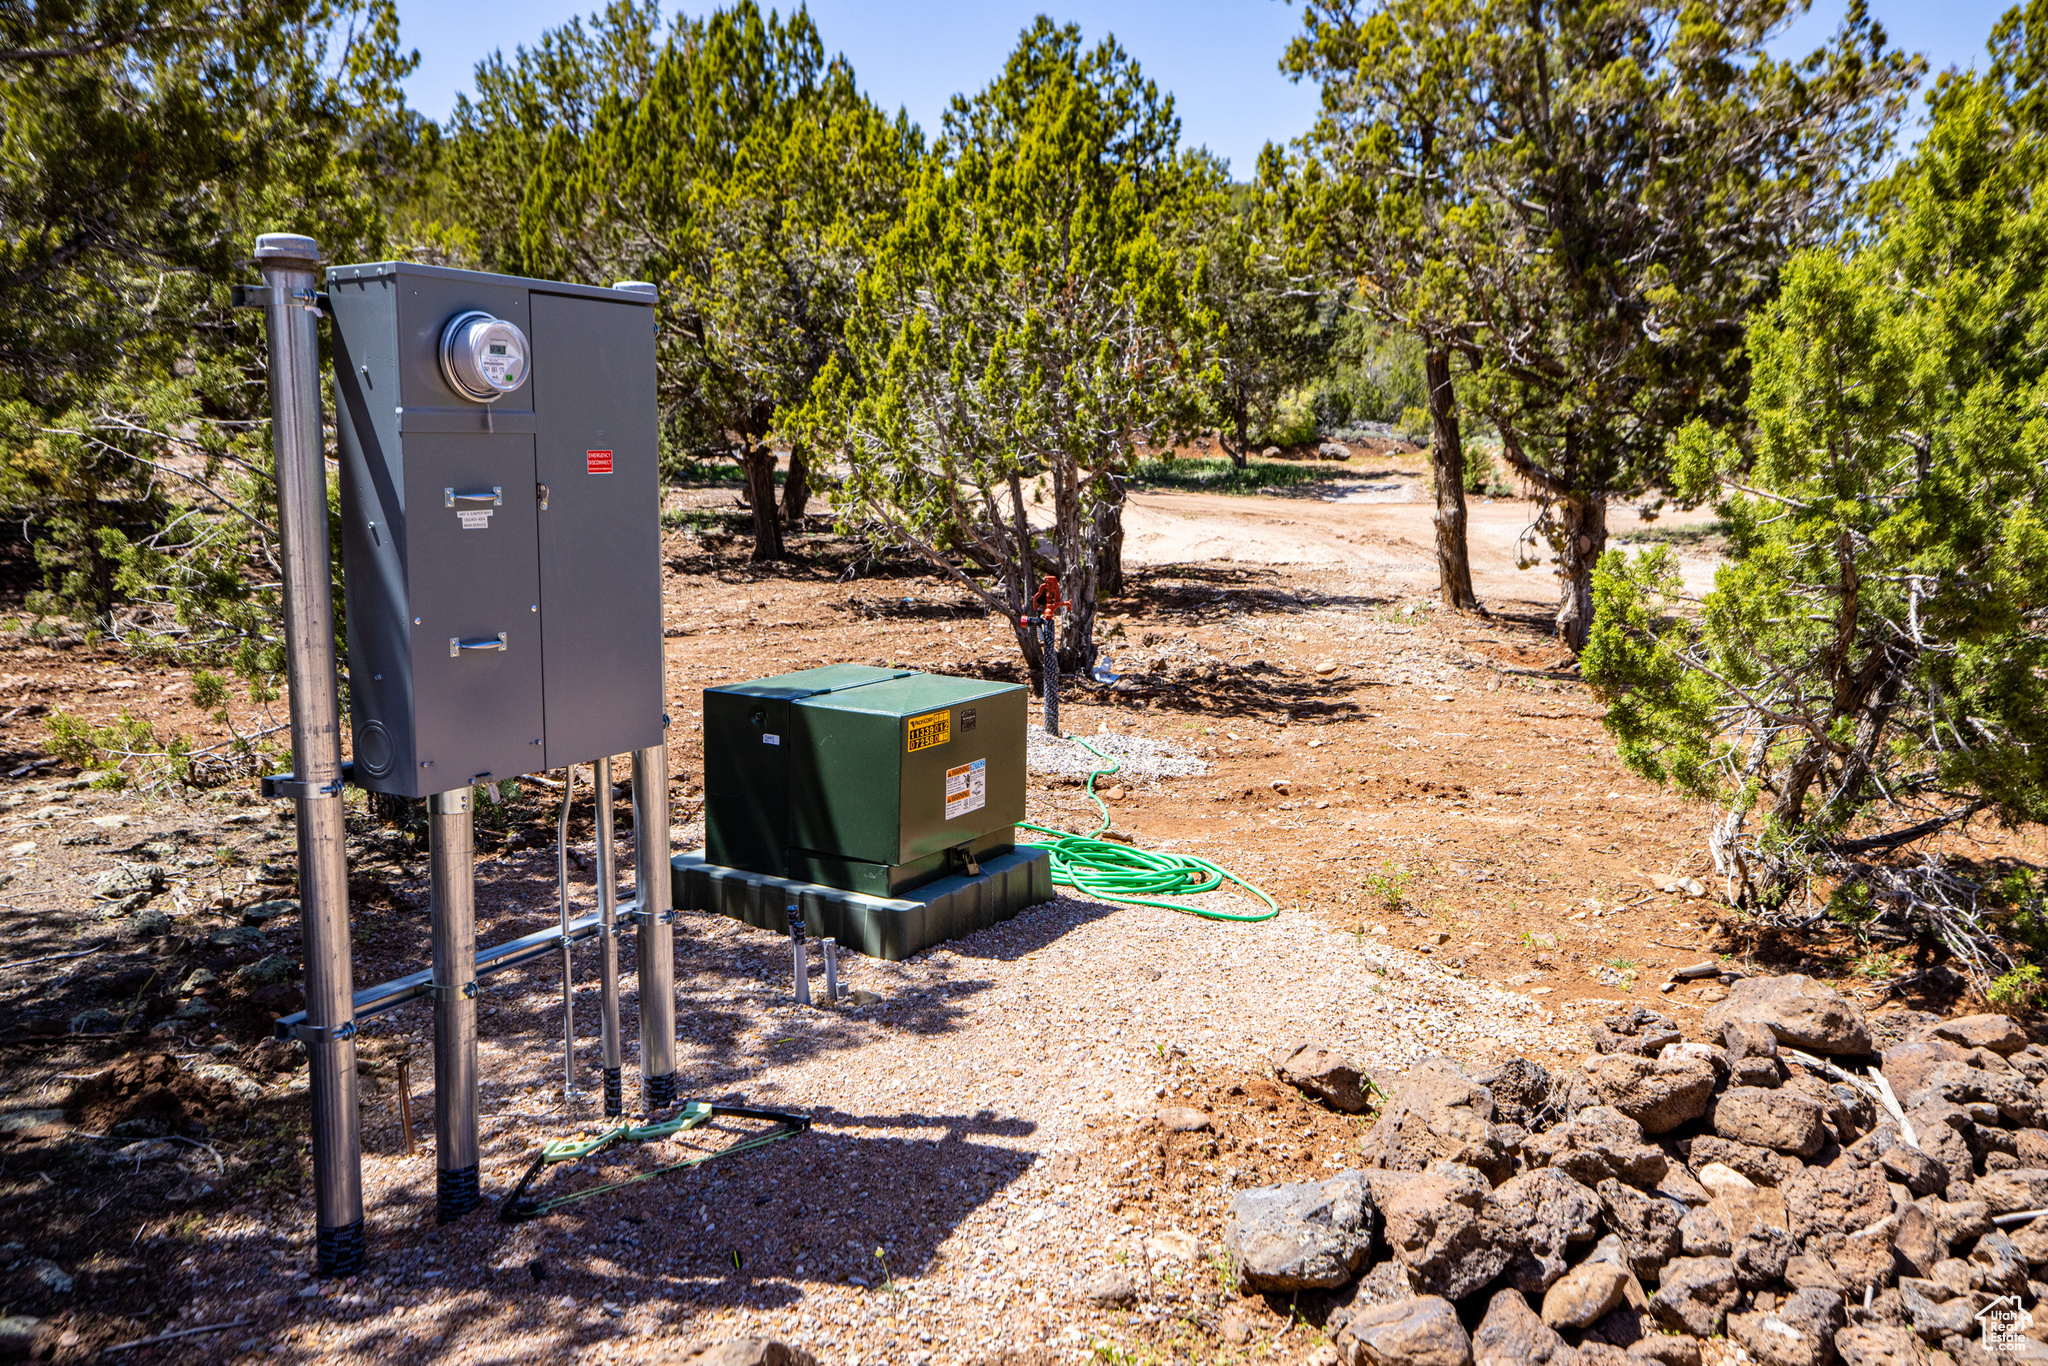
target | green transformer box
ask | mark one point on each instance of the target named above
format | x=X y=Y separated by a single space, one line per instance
x=870 y=780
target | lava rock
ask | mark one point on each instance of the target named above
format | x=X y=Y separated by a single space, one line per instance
x=1521 y=1090
x=1782 y=1120
x=1646 y=1224
x=1312 y=1235
x=1511 y=1334
x=1694 y=1295
x=2010 y=1192
x=1801 y=1012
x=1597 y=1143
x=1999 y=1033
x=1583 y=1294
x=1328 y=1076
x=1437 y=1114
x=1818 y=1199
x=1800 y=1332
x=1543 y=1212
x=1437 y=1226
x=1658 y=1095
x=751 y=1352
x=1424 y=1331
x=1880 y=1345
x=1637 y=1030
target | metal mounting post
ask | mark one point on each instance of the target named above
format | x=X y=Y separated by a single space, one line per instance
x=656 y=942
x=608 y=940
x=451 y=845
x=569 y=1092
x=290 y=264
x=1049 y=669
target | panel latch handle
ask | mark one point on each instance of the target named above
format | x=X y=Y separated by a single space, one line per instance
x=456 y=644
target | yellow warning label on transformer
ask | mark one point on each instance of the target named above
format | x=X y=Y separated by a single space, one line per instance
x=933 y=728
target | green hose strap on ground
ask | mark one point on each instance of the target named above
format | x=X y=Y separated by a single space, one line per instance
x=1110 y=871
x=573 y=1150
x=746 y=1145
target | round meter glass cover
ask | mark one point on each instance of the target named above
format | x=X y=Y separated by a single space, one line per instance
x=483 y=357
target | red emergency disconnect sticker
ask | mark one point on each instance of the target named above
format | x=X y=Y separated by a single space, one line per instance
x=598 y=462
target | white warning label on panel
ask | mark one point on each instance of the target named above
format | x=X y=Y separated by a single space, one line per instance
x=475 y=521
x=966 y=788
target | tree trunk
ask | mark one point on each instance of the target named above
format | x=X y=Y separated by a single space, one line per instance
x=1108 y=538
x=1582 y=540
x=1242 y=453
x=1447 y=458
x=796 y=488
x=759 y=464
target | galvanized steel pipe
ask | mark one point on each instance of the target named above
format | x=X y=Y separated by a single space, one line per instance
x=656 y=921
x=608 y=939
x=451 y=845
x=290 y=264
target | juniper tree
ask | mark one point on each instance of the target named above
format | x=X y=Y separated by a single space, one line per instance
x=1023 y=329
x=1871 y=670
x=1583 y=201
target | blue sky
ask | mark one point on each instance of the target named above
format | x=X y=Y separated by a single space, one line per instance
x=1220 y=58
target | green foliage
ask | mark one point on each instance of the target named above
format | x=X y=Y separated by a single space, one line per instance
x=1226 y=476
x=1581 y=202
x=2016 y=990
x=1026 y=322
x=733 y=165
x=1869 y=669
x=1274 y=329
x=143 y=146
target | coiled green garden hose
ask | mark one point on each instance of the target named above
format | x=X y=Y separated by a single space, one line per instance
x=1119 y=872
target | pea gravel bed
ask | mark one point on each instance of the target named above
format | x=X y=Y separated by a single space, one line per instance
x=951 y=1194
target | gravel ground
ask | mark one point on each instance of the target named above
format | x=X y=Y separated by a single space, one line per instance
x=1138 y=757
x=967 y=1128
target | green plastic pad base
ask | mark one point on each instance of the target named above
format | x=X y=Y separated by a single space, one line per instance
x=891 y=928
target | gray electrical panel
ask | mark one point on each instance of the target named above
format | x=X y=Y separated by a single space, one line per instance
x=500 y=523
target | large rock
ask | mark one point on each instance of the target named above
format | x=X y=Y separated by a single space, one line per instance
x=1999 y=1033
x=1917 y=1242
x=1597 y=1143
x=751 y=1352
x=1998 y=1265
x=1438 y=1227
x=1942 y=1129
x=1665 y=1349
x=1521 y=1092
x=1437 y=1114
x=2032 y=1241
x=1818 y=1199
x=1646 y=1224
x=2011 y=1192
x=1881 y=1345
x=1636 y=1030
x=1759 y=1233
x=1911 y=1068
x=1511 y=1334
x=1802 y=1013
x=1308 y=1236
x=1695 y=1294
x=1543 y=1213
x=1782 y=1120
x=1760 y=1165
x=1584 y=1294
x=1328 y=1076
x=1800 y=1332
x=1660 y=1095
x=1420 y=1332
x=1937 y=1310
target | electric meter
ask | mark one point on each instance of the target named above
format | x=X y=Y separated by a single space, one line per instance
x=483 y=357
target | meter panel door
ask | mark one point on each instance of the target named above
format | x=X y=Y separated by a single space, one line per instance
x=600 y=530
x=471 y=571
